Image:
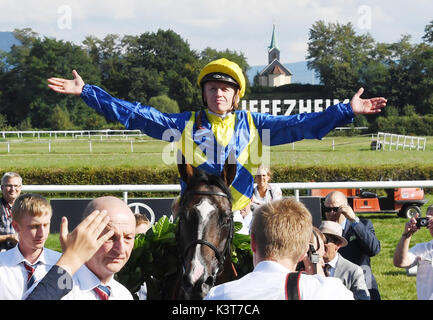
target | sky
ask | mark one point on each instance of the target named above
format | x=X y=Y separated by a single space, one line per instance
x=244 y=26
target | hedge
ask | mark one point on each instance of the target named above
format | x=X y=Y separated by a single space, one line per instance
x=102 y=176
x=146 y=175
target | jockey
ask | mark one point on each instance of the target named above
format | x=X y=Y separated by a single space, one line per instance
x=219 y=132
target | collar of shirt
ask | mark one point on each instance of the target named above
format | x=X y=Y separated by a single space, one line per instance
x=270 y=266
x=334 y=261
x=267 y=193
x=16 y=257
x=87 y=280
x=344 y=223
x=222 y=116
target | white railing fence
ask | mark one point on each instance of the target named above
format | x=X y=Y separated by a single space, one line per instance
x=89 y=133
x=296 y=186
x=390 y=140
x=17 y=140
x=66 y=133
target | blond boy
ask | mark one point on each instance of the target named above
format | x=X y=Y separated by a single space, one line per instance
x=24 y=265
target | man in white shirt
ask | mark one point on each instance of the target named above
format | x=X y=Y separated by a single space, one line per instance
x=110 y=257
x=420 y=256
x=103 y=242
x=28 y=262
x=85 y=282
x=280 y=236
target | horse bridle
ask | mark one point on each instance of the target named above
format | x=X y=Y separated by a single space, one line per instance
x=220 y=256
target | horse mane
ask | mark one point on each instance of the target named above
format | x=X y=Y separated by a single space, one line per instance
x=202 y=177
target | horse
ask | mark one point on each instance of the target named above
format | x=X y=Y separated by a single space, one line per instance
x=198 y=256
x=205 y=230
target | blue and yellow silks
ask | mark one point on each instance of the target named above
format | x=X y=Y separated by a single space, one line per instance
x=246 y=135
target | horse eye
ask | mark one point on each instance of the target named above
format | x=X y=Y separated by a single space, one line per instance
x=227 y=219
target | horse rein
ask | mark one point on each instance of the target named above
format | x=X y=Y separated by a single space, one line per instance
x=220 y=256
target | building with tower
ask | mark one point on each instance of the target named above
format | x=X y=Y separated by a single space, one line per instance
x=274 y=74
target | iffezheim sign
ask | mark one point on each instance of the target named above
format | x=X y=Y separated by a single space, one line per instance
x=288 y=107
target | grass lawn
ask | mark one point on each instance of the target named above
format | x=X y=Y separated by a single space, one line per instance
x=70 y=153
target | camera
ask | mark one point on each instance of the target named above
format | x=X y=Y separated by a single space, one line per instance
x=421 y=222
x=313 y=255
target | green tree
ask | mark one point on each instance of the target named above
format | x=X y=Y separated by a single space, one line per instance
x=60 y=119
x=209 y=54
x=94 y=121
x=164 y=104
x=391 y=111
x=428 y=33
x=411 y=74
x=25 y=124
x=409 y=110
x=3 y=122
x=167 y=64
x=374 y=75
x=360 y=121
x=338 y=55
x=136 y=68
x=25 y=94
x=423 y=59
x=400 y=71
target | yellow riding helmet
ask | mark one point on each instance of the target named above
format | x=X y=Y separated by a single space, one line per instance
x=223 y=70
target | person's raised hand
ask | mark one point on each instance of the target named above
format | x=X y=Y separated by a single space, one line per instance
x=83 y=242
x=60 y=85
x=367 y=106
x=410 y=227
x=347 y=211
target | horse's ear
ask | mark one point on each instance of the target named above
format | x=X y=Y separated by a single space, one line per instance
x=186 y=170
x=229 y=170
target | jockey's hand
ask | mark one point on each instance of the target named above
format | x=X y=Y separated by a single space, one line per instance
x=74 y=86
x=366 y=106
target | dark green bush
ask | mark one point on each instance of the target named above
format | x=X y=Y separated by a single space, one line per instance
x=406 y=125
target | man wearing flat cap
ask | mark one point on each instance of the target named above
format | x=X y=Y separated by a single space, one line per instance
x=336 y=266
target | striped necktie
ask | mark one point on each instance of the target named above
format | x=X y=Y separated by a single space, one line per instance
x=30 y=268
x=103 y=292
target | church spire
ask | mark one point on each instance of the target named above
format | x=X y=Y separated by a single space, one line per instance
x=274 y=43
x=273 y=50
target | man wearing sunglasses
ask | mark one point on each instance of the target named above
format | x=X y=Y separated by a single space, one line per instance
x=362 y=242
